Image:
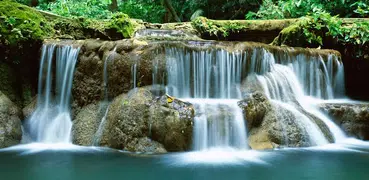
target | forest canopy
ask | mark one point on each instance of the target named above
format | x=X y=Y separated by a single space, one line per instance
x=161 y=11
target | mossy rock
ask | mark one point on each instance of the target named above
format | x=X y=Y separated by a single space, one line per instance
x=118 y=27
x=20 y=23
x=240 y=30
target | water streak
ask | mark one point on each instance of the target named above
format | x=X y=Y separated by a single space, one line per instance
x=51 y=121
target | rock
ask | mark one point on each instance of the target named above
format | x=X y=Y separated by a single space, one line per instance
x=139 y=114
x=88 y=82
x=86 y=124
x=10 y=122
x=145 y=144
x=352 y=118
x=272 y=124
x=30 y=108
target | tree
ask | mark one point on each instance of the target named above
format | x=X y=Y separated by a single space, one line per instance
x=168 y=5
x=114 y=6
x=34 y=3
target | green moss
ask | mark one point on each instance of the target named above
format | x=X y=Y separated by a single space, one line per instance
x=225 y=29
x=122 y=24
x=19 y=23
x=212 y=27
x=118 y=27
x=292 y=35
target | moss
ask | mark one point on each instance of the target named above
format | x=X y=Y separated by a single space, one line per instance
x=122 y=24
x=204 y=25
x=292 y=35
x=254 y=30
x=19 y=23
x=119 y=26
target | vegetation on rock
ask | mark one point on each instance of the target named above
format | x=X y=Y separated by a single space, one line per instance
x=322 y=29
x=20 y=23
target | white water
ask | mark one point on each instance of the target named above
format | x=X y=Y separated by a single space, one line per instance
x=286 y=83
x=210 y=81
x=51 y=121
x=200 y=75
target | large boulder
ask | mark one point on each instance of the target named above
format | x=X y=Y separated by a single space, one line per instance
x=10 y=122
x=86 y=124
x=273 y=124
x=119 y=57
x=353 y=118
x=139 y=114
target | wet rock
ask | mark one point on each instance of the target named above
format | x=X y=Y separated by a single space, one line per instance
x=88 y=82
x=30 y=108
x=86 y=124
x=139 y=114
x=353 y=118
x=145 y=144
x=272 y=124
x=10 y=122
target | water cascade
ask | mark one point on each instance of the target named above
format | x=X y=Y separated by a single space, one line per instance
x=210 y=81
x=104 y=107
x=286 y=82
x=51 y=121
x=210 y=78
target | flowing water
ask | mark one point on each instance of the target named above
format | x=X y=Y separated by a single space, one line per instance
x=320 y=79
x=51 y=121
x=44 y=162
x=211 y=78
x=210 y=81
x=104 y=106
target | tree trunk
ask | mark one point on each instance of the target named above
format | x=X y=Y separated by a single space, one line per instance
x=34 y=3
x=169 y=6
x=114 y=5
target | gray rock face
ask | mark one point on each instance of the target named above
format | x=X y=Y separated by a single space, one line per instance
x=139 y=114
x=10 y=122
x=86 y=124
x=88 y=82
x=271 y=124
x=30 y=108
x=352 y=118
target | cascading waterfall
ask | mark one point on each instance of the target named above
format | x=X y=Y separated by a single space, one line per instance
x=210 y=79
x=320 y=79
x=51 y=121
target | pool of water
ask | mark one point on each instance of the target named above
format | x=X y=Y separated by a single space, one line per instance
x=349 y=160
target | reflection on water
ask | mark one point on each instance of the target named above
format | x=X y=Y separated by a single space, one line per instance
x=330 y=162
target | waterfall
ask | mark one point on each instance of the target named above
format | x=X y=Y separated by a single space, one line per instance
x=210 y=79
x=51 y=121
x=104 y=106
x=301 y=79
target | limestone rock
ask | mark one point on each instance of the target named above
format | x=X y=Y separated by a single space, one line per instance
x=352 y=118
x=30 y=108
x=10 y=122
x=86 y=124
x=272 y=124
x=139 y=114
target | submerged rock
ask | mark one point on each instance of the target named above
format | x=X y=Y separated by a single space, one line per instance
x=139 y=114
x=10 y=122
x=352 y=118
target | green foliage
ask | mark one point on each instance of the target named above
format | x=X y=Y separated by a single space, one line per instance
x=271 y=9
x=19 y=23
x=97 y=9
x=321 y=29
x=149 y=11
